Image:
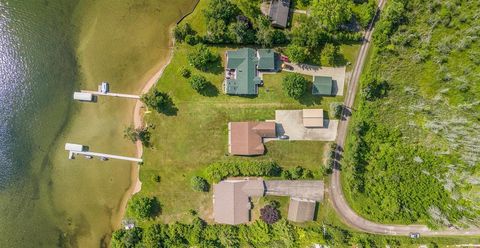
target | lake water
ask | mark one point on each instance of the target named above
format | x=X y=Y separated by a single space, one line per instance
x=48 y=49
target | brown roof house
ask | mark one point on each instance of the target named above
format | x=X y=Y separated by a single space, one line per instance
x=246 y=138
x=312 y=118
x=231 y=200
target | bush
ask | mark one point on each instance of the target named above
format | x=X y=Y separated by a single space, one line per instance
x=199 y=83
x=201 y=57
x=199 y=184
x=297 y=53
x=294 y=85
x=217 y=171
x=157 y=100
x=329 y=54
x=185 y=72
x=269 y=214
x=126 y=238
x=336 y=108
x=143 y=208
x=192 y=40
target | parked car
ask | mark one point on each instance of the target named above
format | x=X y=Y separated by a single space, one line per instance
x=284 y=137
x=414 y=235
x=284 y=58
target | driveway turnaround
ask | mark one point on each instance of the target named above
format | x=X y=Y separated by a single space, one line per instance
x=290 y=122
x=303 y=189
x=337 y=74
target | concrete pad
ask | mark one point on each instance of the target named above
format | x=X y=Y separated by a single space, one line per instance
x=304 y=189
x=290 y=122
x=337 y=74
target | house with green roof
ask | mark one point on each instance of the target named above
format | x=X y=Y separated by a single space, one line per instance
x=242 y=70
x=322 y=85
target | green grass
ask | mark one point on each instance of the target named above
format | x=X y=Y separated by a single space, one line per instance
x=197 y=135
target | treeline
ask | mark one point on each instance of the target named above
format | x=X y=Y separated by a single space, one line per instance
x=218 y=171
x=258 y=234
x=389 y=177
x=241 y=22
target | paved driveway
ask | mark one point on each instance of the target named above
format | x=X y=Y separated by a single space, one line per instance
x=290 y=122
x=337 y=74
x=307 y=189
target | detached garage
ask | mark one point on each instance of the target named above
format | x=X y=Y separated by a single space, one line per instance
x=322 y=85
x=313 y=118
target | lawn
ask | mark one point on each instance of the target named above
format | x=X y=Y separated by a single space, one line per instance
x=183 y=144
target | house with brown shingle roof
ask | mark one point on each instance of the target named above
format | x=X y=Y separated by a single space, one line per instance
x=231 y=200
x=246 y=138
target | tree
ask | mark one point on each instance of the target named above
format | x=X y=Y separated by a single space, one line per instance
x=241 y=33
x=201 y=57
x=192 y=40
x=265 y=32
x=297 y=53
x=223 y=10
x=157 y=100
x=269 y=214
x=182 y=31
x=154 y=235
x=332 y=13
x=329 y=54
x=294 y=85
x=217 y=31
x=143 y=208
x=364 y=13
x=126 y=238
x=336 y=108
x=134 y=134
x=199 y=83
x=185 y=72
x=199 y=184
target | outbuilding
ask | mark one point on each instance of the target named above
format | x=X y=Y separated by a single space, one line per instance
x=322 y=85
x=301 y=210
x=82 y=96
x=312 y=118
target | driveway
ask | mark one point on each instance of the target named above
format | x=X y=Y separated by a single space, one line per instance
x=337 y=74
x=290 y=122
x=306 y=189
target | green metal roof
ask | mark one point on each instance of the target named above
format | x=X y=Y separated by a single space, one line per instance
x=266 y=59
x=322 y=85
x=244 y=61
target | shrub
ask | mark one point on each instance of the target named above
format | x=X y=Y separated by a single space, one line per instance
x=297 y=53
x=294 y=85
x=329 y=54
x=201 y=57
x=126 y=238
x=185 y=72
x=199 y=83
x=143 y=207
x=156 y=178
x=336 y=108
x=199 y=184
x=192 y=40
x=269 y=214
x=160 y=101
x=217 y=171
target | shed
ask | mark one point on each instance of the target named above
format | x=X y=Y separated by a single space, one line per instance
x=82 y=96
x=301 y=210
x=322 y=85
x=313 y=118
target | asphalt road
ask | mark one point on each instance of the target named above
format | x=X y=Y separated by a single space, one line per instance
x=336 y=193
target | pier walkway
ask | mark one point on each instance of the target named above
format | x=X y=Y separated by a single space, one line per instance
x=76 y=149
x=111 y=94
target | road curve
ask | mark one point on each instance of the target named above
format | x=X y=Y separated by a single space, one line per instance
x=338 y=199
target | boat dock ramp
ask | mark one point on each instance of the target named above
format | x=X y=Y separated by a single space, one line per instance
x=103 y=90
x=76 y=149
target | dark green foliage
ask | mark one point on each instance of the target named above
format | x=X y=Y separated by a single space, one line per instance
x=217 y=171
x=199 y=83
x=182 y=31
x=329 y=54
x=332 y=13
x=192 y=40
x=365 y=12
x=298 y=172
x=217 y=32
x=265 y=32
x=294 y=85
x=199 y=184
x=269 y=214
x=392 y=17
x=126 y=238
x=297 y=53
x=223 y=10
x=156 y=178
x=336 y=108
x=241 y=33
x=185 y=72
x=373 y=88
x=159 y=101
x=201 y=57
x=143 y=208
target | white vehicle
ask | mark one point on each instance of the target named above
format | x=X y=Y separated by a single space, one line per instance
x=104 y=88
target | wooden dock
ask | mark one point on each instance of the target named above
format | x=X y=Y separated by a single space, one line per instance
x=76 y=149
x=97 y=93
